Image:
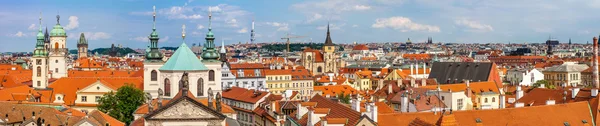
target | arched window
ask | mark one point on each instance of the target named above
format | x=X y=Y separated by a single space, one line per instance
x=211 y=75
x=153 y=75
x=39 y=71
x=493 y=99
x=309 y=57
x=319 y=69
x=56 y=45
x=486 y=100
x=167 y=87
x=200 y=86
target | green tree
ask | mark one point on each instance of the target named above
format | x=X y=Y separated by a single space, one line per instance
x=545 y=83
x=123 y=103
x=344 y=98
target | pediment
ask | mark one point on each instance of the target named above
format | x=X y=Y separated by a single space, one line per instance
x=185 y=109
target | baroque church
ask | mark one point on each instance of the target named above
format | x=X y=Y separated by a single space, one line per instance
x=324 y=61
x=204 y=74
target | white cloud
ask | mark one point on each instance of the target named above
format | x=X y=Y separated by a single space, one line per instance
x=232 y=23
x=354 y=26
x=197 y=33
x=403 y=24
x=331 y=26
x=315 y=17
x=165 y=39
x=474 y=25
x=18 y=34
x=140 y=39
x=200 y=26
x=243 y=30
x=32 y=27
x=280 y=26
x=362 y=7
x=73 y=23
x=97 y=35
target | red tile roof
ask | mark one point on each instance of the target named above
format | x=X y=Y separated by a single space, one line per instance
x=244 y=95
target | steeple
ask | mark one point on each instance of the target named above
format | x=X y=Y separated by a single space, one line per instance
x=154 y=54
x=223 y=52
x=210 y=53
x=570 y=41
x=328 y=41
x=183 y=33
x=82 y=39
x=252 y=33
x=40 y=50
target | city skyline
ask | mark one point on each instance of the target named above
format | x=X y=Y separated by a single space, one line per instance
x=129 y=22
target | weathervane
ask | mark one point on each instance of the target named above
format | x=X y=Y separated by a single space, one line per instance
x=209 y=18
x=183 y=31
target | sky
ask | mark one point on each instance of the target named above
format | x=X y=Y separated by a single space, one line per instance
x=129 y=22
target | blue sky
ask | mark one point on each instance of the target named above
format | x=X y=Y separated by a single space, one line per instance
x=128 y=22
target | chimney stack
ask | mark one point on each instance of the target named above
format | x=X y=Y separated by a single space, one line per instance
x=595 y=68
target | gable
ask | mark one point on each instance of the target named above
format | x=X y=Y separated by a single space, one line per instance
x=97 y=87
x=185 y=109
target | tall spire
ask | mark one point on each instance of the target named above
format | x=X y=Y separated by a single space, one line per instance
x=154 y=55
x=153 y=18
x=210 y=53
x=40 y=50
x=252 y=33
x=223 y=46
x=209 y=18
x=328 y=41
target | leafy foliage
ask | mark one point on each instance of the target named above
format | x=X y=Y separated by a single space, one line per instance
x=545 y=83
x=122 y=104
x=105 y=51
x=344 y=98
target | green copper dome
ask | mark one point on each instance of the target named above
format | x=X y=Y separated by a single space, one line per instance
x=40 y=50
x=58 y=30
x=40 y=35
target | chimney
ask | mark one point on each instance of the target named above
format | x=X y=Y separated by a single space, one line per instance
x=374 y=112
x=424 y=69
x=502 y=101
x=412 y=82
x=469 y=92
x=519 y=93
x=32 y=115
x=416 y=69
x=390 y=91
x=595 y=68
x=324 y=122
x=423 y=82
x=355 y=104
x=574 y=92
x=404 y=102
x=550 y=102
x=399 y=82
x=412 y=69
x=519 y=105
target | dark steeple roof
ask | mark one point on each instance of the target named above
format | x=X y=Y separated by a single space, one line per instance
x=46 y=36
x=328 y=41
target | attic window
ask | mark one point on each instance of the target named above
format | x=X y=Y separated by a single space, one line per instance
x=98 y=87
x=566 y=124
x=478 y=120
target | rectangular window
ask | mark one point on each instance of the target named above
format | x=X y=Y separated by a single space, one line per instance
x=459 y=103
x=84 y=98
x=97 y=98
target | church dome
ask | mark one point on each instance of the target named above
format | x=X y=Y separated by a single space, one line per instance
x=58 y=30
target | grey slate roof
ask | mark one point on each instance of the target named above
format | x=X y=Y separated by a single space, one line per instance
x=567 y=68
x=474 y=71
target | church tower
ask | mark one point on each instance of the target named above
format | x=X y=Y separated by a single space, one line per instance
x=58 y=50
x=82 y=47
x=40 y=62
x=153 y=61
x=210 y=57
x=329 y=53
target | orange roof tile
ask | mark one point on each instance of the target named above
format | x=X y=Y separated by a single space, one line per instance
x=334 y=90
x=244 y=95
x=70 y=85
x=544 y=115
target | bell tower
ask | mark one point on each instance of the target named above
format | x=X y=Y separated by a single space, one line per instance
x=40 y=62
x=58 y=50
x=329 y=53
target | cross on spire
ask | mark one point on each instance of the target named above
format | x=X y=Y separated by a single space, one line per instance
x=209 y=18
